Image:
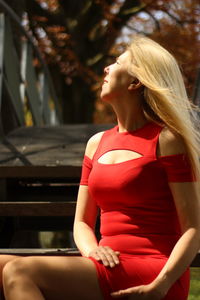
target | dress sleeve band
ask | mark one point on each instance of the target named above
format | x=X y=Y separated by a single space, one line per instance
x=86 y=169
x=177 y=167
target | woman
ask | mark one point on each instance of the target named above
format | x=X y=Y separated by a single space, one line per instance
x=143 y=174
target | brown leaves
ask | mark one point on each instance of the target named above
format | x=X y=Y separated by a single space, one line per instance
x=80 y=38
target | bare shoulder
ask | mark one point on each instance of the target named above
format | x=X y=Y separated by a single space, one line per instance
x=170 y=143
x=93 y=143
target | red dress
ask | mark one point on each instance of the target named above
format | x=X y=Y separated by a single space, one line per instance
x=138 y=215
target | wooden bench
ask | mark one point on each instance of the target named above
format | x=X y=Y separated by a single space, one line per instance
x=67 y=252
x=47 y=185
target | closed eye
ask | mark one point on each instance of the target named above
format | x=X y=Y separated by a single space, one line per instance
x=117 y=61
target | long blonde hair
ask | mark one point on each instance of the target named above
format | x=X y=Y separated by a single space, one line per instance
x=165 y=97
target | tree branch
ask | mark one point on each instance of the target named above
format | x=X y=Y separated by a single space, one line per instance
x=136 y=30
x=154 y=19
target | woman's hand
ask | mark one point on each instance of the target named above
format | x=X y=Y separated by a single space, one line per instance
x=105 y=254
x=142 y=292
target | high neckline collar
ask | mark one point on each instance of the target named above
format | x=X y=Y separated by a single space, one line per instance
x=132 y=131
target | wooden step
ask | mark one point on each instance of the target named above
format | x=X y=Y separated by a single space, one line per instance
x=37 y=208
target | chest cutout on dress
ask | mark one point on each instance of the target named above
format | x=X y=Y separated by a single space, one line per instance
x=118 y=156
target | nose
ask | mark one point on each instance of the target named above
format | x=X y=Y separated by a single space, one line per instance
x=106 y=70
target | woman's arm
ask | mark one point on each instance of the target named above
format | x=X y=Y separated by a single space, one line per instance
x=186 y=198
x=187 y=201
x=86 y=209
x=85 y=220
x=84 y=225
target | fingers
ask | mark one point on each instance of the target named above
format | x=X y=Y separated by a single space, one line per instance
x=138 y=293
x=105 y=254
x=121 y=293
x=108 y=256
x=117 y=294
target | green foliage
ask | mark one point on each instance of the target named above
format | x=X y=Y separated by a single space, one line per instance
x=195 y=284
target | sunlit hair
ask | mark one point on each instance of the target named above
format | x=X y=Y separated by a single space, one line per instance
x=165 y=98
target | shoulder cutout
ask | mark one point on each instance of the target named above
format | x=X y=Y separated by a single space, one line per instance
x=170 y=143
x=93 y=143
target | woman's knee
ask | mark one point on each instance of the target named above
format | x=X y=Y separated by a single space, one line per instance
x=4 y=259
x=14 y=270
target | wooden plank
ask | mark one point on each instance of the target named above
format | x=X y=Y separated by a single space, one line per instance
x=37 y=208
x=37 y=198
x=40 y=172
x=44 y=251
x=44 y=155
x=64 y=252
x=49 y=145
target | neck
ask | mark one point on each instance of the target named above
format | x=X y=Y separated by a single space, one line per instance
x=131 y=124
x=129 y=117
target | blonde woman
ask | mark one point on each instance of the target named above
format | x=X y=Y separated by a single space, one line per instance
x=143 y=175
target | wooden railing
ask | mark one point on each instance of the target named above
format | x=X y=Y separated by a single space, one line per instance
x=28 y=88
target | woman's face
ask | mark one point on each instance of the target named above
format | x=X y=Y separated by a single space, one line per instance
x=117 y=79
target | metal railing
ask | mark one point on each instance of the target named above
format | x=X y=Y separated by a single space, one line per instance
x=28 y=87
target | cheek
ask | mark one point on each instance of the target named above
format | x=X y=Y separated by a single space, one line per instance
x=122 y=78
x=117 y=84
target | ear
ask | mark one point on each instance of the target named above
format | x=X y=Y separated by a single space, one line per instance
x=135 y=84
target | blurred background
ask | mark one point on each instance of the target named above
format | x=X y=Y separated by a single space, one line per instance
x=78 y=38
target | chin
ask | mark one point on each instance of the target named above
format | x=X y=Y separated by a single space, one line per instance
x=105 y=97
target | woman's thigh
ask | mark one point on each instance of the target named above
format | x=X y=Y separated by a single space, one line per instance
x=61 y=278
